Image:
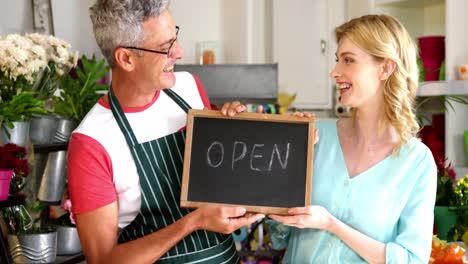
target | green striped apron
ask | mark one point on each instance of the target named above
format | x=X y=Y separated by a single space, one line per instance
x=159 y=165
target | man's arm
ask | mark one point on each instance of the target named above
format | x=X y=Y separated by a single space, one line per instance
x=98 y=232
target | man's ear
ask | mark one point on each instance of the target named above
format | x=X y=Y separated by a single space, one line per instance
x=388 y=67
x=124 y=59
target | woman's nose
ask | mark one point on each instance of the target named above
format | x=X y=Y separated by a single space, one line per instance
x=334 y=73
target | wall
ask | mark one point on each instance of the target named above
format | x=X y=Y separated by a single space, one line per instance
x=72 y=23
x=16 y=17
x=241 y=29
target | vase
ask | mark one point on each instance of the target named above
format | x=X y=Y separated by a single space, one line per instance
x=64 y=129
x=68 y=241
x=445 y=218
x=43 y=129
x=33 y=248
x=52 y=184
x=5 y=179
x=19 y=134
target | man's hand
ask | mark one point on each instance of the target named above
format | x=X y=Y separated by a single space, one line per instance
x=232 y=108
x=223 y=219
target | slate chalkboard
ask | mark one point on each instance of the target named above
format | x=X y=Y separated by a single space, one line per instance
x=260 y=161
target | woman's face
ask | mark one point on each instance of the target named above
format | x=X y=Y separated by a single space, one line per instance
x=358 y=76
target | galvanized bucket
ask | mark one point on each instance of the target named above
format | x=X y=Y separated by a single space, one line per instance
x=33 y=248
x=53 y=179
x=19 y=134
x=68 y=241
x=43 y=129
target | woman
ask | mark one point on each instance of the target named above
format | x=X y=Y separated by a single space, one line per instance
x=374 y=182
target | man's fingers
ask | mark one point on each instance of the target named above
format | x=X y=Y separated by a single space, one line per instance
x=245 y=221
x=225 y=108
x=259 y=109
x=240 y=108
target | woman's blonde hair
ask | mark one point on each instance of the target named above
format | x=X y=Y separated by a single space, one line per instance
x=384 y=37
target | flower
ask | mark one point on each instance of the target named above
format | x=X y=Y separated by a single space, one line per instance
x=461 y=191
x=33 y=62
x=67 y=205
x=13 y=157
x=446 y=178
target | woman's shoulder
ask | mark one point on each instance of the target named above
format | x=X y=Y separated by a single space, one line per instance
x=417 y=153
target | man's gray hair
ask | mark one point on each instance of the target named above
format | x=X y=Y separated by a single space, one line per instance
x=118 y=23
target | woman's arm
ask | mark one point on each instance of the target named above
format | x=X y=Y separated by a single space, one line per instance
x=318 y=217
x=412 y=243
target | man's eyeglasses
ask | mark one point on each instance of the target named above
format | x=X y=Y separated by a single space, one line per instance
x=168 y=52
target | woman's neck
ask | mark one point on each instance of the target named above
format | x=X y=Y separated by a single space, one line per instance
x=369 y=128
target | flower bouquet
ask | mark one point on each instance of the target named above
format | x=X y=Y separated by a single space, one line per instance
x=30 y=68
x=14 y=158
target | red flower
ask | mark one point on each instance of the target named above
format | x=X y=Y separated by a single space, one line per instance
x=13 y=157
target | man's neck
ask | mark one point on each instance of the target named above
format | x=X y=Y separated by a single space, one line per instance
x=130 y=92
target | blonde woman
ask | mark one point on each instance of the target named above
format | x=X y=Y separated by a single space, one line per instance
x=374 y=182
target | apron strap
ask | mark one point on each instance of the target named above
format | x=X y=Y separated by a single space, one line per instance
x=122 y=120
x=177 y=99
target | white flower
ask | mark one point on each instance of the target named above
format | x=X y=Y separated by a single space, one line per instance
x=23 y=60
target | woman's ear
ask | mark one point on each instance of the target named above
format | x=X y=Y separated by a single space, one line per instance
x=124 y=59
x=388 y=67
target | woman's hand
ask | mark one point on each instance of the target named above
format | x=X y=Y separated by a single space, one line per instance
x=313 y=216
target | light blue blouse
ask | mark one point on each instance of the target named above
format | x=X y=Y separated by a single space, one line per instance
x=392 y=202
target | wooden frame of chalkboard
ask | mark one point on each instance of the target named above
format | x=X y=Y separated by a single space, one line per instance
x=262 y=162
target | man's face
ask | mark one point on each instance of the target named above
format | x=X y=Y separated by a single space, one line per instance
x=158 y=69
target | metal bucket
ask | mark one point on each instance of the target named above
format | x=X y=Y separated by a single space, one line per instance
x=33 y=248
x=18 y=134
x=53 y=180
x=68 y=241
x=43 y=129
x=64 y=129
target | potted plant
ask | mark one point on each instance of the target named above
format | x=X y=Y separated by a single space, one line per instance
x=15 y=113
x=444 y=212
x=80 y=91
x=460 y=231
x=68 y=241
x=28 y=241
x=77 y=94
x=30 y=67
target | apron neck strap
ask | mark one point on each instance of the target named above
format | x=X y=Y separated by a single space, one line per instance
x=122 y=120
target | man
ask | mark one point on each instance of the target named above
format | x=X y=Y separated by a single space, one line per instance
x=125 y=158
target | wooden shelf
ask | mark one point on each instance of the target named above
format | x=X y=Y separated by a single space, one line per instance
x=72 y=259
x=12 y=201
x=409 y=3
x=438 y=88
